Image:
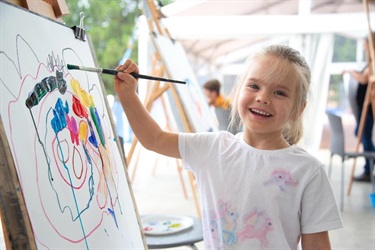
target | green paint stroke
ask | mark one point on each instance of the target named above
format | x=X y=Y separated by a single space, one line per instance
x=95 y=117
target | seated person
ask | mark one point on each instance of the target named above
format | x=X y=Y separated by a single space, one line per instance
x=219 y=102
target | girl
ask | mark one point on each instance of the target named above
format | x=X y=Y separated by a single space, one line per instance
x=259 y=190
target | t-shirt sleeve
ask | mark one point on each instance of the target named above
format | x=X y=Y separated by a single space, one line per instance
x=319 y=211
x=195 y=149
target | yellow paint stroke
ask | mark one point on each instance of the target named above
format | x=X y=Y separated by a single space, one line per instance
x=85 y=98
x=83 y=131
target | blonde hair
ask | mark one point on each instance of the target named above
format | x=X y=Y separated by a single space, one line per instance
x=288 y=64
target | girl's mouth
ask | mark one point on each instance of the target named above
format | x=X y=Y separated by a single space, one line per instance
x=260 y=112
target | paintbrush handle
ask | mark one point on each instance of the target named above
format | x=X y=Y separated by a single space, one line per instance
x=135 y=75
x=115 y=72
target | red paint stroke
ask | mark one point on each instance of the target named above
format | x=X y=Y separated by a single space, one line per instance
x=102 y=206
x=78 y=108
x=63 y=171
x=74 y=165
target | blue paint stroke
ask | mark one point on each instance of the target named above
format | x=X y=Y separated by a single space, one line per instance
x=113 y=215
x=58 y=121
x=92 y=137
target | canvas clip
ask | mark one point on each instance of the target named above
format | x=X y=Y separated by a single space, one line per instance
x=79 y=31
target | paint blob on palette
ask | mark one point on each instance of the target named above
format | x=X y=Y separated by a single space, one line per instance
x=165 y=224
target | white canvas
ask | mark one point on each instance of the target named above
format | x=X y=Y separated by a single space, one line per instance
x=72 y=177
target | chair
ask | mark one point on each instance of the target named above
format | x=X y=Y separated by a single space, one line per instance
x=223 y=117
x=337 y=147
x=351 y=86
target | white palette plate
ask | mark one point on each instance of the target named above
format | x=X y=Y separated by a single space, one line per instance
x=165 y=224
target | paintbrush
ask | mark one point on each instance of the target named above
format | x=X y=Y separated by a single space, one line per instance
x=114 y=72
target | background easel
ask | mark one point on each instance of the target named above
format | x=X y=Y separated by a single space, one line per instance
x=16 y=225
x=156 y=90
x=370 y=93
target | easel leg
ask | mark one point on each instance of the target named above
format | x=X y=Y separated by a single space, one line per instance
x=351 y=177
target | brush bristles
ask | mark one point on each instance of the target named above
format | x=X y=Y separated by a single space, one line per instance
x=69 y=66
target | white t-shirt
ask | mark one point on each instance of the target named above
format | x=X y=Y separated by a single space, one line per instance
x=257 y=199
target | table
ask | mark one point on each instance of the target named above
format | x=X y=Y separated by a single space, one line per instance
x=187 y=237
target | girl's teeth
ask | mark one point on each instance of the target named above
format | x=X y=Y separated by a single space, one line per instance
x=261 y=112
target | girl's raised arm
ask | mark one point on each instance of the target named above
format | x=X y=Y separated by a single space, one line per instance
x=147 y=131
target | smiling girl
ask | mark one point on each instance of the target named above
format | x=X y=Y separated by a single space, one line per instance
x=258 y=188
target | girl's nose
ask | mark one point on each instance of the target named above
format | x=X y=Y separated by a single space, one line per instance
x=262 y=98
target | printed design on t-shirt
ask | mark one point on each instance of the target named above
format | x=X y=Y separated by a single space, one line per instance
x=212 y=230
x=222 y=225
x=228 y=221
x=282 y=178
x=256 y=226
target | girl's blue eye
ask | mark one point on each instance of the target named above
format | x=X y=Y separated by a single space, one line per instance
x=253 y=86
x=281 y=93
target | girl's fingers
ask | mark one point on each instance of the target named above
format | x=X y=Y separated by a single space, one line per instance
x=126 y=64
x=131 y=68
x=128 y=67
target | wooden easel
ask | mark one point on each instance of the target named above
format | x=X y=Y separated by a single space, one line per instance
x=370 y=93
x=17 y=229
x=153 y=16
x=53 y=9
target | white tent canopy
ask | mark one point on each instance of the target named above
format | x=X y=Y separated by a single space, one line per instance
x=210 y=29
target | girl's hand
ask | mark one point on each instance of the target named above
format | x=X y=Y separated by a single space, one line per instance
x=124 y=83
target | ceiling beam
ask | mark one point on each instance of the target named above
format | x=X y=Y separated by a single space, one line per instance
x=241 y=27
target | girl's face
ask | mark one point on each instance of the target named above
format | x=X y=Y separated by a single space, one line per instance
x=265 y=101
